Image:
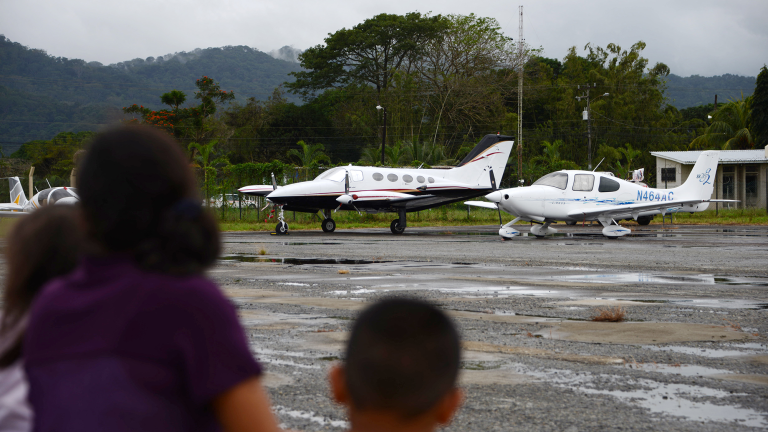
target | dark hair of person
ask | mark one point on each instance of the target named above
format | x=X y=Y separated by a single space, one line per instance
x=139 y=197
x=402 y=356
x=41 y=246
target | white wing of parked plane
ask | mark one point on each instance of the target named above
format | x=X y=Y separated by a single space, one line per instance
x=483 y=204
x=664 y=207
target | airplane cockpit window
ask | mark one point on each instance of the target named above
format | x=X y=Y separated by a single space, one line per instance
x=335 y=174
x=356 y=175
x=407 y=178
x=378 y=176
x=392 y=177
x=57 y=195
x=556 y=179
x=583 y=182
x=42 y=196
x=608 y=185
x=420 y=179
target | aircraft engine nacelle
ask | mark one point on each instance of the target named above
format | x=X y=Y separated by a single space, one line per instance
x=347 y=199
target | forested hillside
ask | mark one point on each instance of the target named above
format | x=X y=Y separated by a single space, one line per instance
x=695 y=90
x=41 y=95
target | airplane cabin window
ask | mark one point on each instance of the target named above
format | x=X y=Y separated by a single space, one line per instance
x=377 y=176
x=608 y=185
x=583 y=182
x=556 y=179
x=407 y=178
x=356 y=175
x=431 y=180
x=420 y=179
x=392 y=177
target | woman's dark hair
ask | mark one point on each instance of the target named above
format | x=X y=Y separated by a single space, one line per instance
x=41 y=246
x=139 y=197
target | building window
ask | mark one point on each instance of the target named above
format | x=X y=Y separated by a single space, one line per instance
x=669 y=174
x=750 y=185
x=729 y=182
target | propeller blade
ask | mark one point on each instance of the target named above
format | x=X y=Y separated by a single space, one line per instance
x=346 y=182
x=274 y=182
x=493 y=180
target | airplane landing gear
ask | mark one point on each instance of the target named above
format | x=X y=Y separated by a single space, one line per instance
x=282 y=226
x=395 y=227
x=398 y=225
x=328 y=225
x=542 y=230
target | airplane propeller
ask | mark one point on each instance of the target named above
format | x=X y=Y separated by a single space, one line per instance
x=495 y=188
x=274 y=182
x=347 y=198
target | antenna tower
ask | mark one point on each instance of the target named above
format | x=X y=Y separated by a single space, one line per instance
x=520 y=44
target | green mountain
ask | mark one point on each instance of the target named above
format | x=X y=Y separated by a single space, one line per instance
x=695 y=90
x=42 y=95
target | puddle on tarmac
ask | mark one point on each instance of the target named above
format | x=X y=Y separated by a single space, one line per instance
x=297 y=261
x=612 y=278
x=709 y=352
x=309 y=415
x=684 y=370
x=679 y=400
x=360 y=290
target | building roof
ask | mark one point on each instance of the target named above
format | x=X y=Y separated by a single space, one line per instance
x=726 y=156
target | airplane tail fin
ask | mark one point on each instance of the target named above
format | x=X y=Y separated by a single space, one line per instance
x=17 y=191
x=701 y=182
x=491 y=153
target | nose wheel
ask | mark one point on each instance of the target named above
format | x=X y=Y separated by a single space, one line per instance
x=328 y=225
x=282 y=226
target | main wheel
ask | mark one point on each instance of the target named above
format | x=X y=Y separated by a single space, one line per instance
x=328 y=225
x=570 y=222
x=395 y=227
x=281 y=228
x=644 y=220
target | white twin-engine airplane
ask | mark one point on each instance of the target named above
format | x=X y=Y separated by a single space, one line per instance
x=20 y=206
x=390 y=190
x=573 y=196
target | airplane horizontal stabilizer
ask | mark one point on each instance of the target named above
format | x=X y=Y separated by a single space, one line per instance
x=484 y=204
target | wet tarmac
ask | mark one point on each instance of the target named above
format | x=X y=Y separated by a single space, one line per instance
x=691 y=354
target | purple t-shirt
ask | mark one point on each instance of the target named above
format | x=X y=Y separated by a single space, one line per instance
x=114 y=348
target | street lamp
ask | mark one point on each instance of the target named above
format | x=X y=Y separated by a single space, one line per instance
x=384 y=133
x=588 y=117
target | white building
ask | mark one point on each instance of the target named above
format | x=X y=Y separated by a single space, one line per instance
x=741 y=174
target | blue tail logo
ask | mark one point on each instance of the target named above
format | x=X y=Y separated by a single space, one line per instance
x=704 y=177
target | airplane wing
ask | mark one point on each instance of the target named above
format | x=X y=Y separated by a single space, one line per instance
x=484 y=204
x=257 y=190
x=633 y=209
x=11 y=214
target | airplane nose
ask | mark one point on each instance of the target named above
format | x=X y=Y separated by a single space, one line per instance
x=494 y=197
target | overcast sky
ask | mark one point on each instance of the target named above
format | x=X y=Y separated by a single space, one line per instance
x=701 y=37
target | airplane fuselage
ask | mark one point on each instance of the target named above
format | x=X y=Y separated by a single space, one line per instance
x=565 y=192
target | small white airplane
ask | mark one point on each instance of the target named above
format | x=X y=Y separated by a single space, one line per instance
x=573 y=196
x=19 y=204
x=390 y=190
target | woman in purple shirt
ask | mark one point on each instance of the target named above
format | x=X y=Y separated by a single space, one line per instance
x=136 y=338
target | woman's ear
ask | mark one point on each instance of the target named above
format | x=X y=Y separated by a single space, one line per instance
x=338 y=383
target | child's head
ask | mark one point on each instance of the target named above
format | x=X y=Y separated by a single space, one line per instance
x=139 y=197
x=41 y=246
x=402 y=359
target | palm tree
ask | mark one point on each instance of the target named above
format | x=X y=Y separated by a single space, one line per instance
x=310 y=156
x=551 y=156
x=396 y=154
x=202 y=159
x=729 y=128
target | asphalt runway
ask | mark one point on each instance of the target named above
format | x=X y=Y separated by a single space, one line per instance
x=691 y=355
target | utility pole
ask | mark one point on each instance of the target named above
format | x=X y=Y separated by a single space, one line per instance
x=383 y=133
x=587 y=115
x=520 y=43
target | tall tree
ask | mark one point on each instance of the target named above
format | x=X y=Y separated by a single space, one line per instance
x=759 y=115
x=370 y=52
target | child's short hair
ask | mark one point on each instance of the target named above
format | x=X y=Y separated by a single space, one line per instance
x=403 y=356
